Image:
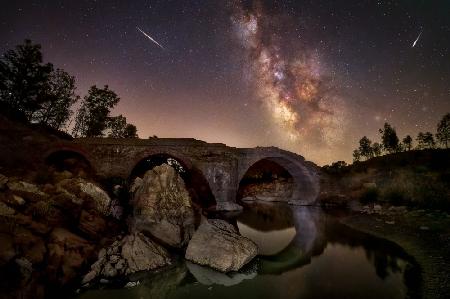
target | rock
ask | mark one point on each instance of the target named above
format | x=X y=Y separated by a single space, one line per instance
x=121 y=265
x=132 y=284
x=67 y=254
x=89 y=277
x=377 y=208
x=26 y=190
x=162 y=206
x=424 y=228
x=217 y=244
x=25 y=266
x=109 y=270
x=113 y=259
x=92 y=224
x=390 y=222
x=63 y=175
x=5 y=210
x=228 y=207
x=100 y=198
x=19 y=201
x=116 y=209
x=369 y=185
x=104 y=281
x=248 y=198
x=142 y=254
x=7 y=250
x=90 y=194
x=3 y=181
x=133 y=253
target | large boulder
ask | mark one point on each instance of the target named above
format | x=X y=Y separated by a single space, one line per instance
x=131 y=254
x=162 y=206
x=217 y=244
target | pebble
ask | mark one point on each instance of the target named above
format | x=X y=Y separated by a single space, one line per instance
x=104 y=281
x=424 y=228
x=389 y=222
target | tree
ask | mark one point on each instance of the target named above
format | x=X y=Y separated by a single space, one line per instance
x=365 y=148
x=23 y=78
x=389 y=138
x=130 y=131
x=356 y=156
x=376 y=149
x=443 y=130
x=407 y=143
x=425 y=140
x=59 y=97
x=119 y=128
x=92 y=117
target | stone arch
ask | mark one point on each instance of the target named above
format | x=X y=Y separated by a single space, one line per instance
x=69 y=158
x=306 y=183
x=196 y=183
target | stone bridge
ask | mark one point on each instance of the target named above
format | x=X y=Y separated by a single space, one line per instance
x=221 y=167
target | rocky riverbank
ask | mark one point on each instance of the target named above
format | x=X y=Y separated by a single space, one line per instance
x=69 y=232
x=424 y=234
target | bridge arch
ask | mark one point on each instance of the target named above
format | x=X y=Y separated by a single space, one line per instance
x=194 y=179
x=305 y=183
x=69 y=158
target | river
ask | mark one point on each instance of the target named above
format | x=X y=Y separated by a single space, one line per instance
x=305 y=253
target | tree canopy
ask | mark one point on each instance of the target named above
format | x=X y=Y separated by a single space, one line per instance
x=389 y=138
x=93 y=115
x=443 y=130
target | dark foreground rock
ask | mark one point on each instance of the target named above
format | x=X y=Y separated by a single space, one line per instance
x=217 y=244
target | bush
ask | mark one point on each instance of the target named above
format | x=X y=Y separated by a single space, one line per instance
x=370 y=195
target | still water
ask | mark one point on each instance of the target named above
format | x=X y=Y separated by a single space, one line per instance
x=304 y=253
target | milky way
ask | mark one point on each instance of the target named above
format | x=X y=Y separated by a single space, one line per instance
x=308 y=76
x=294 y=88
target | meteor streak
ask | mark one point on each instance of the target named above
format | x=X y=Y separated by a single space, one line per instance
x=149 y=37
x=417 y=39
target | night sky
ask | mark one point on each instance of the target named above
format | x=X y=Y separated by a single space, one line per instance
x=311 y=76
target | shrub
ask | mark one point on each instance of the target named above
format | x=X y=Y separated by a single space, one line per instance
x=370 y=195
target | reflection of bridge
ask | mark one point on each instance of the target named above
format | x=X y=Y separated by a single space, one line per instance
x=220 y=167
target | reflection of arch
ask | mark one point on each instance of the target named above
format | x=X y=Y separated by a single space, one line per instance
x=196 y=183
x=68 y=159
x=306 y=186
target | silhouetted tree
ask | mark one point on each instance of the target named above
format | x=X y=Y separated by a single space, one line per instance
x=119 y=128
x=356 y=156
x=389 y=138
x=425 y=140
x=365 y=148
x=23 y=78
x=407 y=143
x=443 y=130
x=92 y=117
x=130 y=131
x=376 y=149
x=59 y=97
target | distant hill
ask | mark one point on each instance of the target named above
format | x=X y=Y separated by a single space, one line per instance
x=417 y=178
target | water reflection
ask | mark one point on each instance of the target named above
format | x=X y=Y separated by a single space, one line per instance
x=305 y=253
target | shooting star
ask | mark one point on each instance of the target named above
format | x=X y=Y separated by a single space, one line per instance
x=149 y=37
x=417 y=39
